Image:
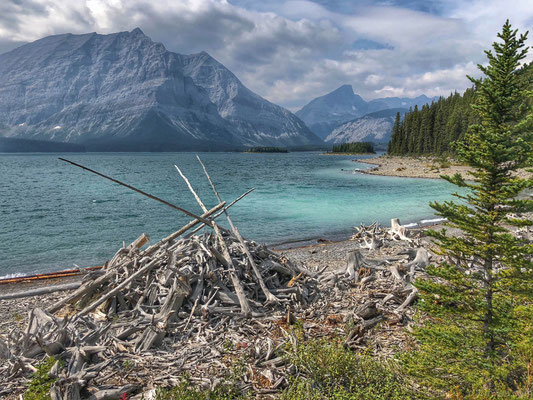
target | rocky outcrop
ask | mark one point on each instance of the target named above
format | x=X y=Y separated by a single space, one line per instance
x=254 y=120
x=326 y=112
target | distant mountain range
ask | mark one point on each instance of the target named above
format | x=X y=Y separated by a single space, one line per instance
x=124 y=92
x=326 y=115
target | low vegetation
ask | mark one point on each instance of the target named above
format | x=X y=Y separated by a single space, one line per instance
x=354 y=148
x=328 y=370
x=41 y=381
x=325 y=369
x=187 y=391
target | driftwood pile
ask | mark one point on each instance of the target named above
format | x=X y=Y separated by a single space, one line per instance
x=394 y=277
x=172 y=288
x=177 y=287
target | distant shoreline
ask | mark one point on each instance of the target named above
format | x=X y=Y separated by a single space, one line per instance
x=419 y=167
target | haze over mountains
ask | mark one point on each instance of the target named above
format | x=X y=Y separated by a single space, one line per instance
x=327 y=114
x=124 y=92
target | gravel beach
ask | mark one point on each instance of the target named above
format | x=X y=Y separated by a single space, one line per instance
x=419 y=167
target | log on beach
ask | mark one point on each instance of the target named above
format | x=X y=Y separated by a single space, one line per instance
x=41 y=291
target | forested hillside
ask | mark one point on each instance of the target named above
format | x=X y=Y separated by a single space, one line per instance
x=433 y=128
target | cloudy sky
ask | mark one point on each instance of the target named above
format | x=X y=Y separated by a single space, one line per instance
x=293 y=51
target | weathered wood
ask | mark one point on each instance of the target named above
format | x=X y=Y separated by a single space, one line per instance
x=269 y=296
x=397 y=230
x=218 y=214
x=111 y=293
x=245 y=307
x=360 y=329
x=113 y=394
x=366 y=310
x=190 y=214
x=41 y=291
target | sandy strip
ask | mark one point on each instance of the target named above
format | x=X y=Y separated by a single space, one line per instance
x=420 y=167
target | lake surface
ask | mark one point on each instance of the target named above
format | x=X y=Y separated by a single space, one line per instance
x=54 y=215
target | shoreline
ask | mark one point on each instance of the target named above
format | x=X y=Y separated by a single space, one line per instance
x=411 y=167
x=11 y=279
x=423 y=167
x=326 y=318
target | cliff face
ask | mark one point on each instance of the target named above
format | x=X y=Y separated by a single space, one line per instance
x=324 y=113
x=254 y=120
x=125 y=92
x=374 y=127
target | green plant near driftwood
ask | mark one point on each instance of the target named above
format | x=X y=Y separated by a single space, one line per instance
x=328 y=370
x=41 y=381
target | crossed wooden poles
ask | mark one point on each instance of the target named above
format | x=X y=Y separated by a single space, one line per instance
x=206 y=219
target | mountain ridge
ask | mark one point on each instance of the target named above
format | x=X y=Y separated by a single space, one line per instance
x=124 y=92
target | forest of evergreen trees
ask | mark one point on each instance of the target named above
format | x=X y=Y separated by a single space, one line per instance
x=354 y=148
x=263 y=149
x=433 y=128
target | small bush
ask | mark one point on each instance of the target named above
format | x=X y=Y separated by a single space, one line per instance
x=187 y=391
x=41 y=381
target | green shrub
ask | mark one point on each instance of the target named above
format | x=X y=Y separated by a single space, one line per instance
x=186 y=391
x=41 y=381
x=229 y=390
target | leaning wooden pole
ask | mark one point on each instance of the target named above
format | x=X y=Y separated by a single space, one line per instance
x=190 y=214
x=93 y=284
x=269 y=296
x=219 y=213
x=239 y=290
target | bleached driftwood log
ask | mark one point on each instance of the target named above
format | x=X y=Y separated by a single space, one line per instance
x=353 y=271
x=397 y=231
x=41 y=291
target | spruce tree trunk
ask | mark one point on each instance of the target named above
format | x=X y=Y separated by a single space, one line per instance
x=487 y=325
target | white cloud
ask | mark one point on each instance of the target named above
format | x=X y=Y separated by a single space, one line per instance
x=293 y=51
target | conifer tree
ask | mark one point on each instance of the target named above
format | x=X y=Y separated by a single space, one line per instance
x=480 y=306
x=395 y=143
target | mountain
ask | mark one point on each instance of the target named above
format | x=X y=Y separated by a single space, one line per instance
x=325 y=113
x=124 y=92
x=255 y=120
x=375 y=127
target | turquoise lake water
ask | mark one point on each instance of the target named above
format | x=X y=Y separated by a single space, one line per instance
x=54 y=215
